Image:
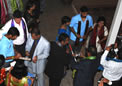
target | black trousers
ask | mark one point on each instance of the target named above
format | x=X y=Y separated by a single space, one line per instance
x=120 y=82
x=21 y=49
x=54 y=81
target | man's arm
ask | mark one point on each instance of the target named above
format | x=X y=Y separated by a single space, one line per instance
x=103 y=58
x=73 y=31
x=6 y=27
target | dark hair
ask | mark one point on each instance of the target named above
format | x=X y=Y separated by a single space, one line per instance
x=119 y=43
x=19 y=70
x=92 y=50
x=30 y=4
x=13 y=31
x=65 y=19
x=62 y=37
x=31 y=26
x=83 y=9
x=35 y=31
x=101 y=18
x=2 y=60
x=119 y=53
x=17 y=14
x=111 y=53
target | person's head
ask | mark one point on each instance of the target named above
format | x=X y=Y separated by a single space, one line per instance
x=118 y=43
x=31 y=6
x=13 y=33
x=35 y=33
x=91 y=51
x=19 y=70
x=65 y=20
x=2 y=60
x=112 y=53
x=83 y=11
x=31 y=26
x=17 y=16
x=63 y=39
x=101 y=21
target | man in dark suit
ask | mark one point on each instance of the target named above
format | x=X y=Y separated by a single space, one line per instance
x=57 y=60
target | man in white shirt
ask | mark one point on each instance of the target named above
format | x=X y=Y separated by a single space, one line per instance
x=38 y=54
x=112 y=68
x=19 y=22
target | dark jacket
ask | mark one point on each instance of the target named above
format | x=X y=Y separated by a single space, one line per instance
x=57 y=60
x=86 y=70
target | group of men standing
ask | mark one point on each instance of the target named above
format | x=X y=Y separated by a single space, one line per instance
x=34 y=46
x=15 y=41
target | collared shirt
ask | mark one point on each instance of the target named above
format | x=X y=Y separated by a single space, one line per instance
x=112 y=69
x=6 y=47
x=42 y=48
x=20 y=39
x=41 y=51
x=74 y=24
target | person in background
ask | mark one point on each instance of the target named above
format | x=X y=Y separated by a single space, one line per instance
x=99 y=34
x=64 y=28
x=29 y=14
x=19 y=22
x=84 y=20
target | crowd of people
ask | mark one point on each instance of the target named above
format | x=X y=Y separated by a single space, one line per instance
x=25 y=55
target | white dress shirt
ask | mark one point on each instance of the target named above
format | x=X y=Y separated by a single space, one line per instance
x=112 y=69
x=20 y=39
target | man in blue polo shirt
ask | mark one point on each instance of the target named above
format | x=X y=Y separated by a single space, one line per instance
x=6 y=45
x=83 y=16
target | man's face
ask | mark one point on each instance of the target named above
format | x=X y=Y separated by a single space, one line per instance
x=68 y=23
x=13 y=37
x=84 y=14
x=17 y=20
x=35 y=37
x=65 y=42
x=33 y=7
x=101 y=23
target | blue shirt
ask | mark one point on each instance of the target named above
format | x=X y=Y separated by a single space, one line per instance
x=74 y=24
x=6 y=48
x=66 y=31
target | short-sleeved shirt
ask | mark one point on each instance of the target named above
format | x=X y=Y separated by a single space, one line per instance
x=74 y=24
x=61 y=30
x=6 y=47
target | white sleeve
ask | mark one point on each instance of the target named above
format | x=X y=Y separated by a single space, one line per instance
x=105 y=31
x=6 y=27
x=28 y=43
x=103 y=58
